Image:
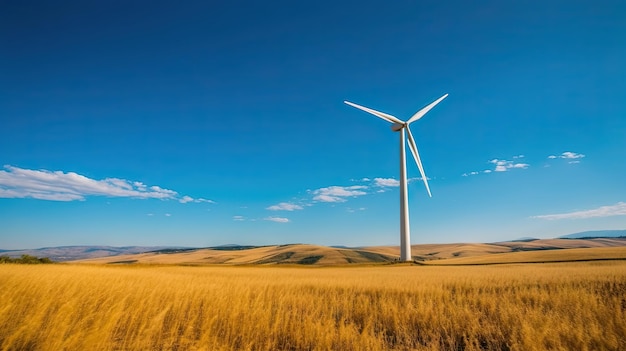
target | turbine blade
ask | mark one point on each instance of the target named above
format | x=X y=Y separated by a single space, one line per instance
x=423 y=111
x=416 y=156
x=386 y=117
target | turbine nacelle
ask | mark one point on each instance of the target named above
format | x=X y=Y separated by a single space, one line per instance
x=396 y=127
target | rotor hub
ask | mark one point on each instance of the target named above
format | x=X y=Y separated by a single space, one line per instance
x=396 y=127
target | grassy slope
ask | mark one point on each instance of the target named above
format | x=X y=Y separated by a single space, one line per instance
x=564 y=255
x=538 y=250
x=284 y=254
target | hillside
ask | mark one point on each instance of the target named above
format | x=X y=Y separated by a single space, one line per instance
x=539 y=256
x=281 y=254
x=597 y=234
x=71 y=253
x=302 y=254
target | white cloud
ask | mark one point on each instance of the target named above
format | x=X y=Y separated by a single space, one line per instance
x=328 y=198
x=568 y=155
x=501 y=166
x=60 y=186
x=504 y=165
x=338 y=193
x=277 y=219
x=139 y=185
x=386 y=182
x=571 y=155
x=619 y=209
x=168 y=215
x=185 y=199
x=284 y=206
x=239 y=218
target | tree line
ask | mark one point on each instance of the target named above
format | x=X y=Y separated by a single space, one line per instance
x=25 y=259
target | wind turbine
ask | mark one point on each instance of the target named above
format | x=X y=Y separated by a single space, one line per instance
x=400 y=126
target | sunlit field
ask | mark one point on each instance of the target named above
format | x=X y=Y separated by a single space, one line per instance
x=568 y=306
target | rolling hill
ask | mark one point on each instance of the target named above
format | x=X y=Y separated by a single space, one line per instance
x=596 y=234
x=71 y=253
x=547 y=250
x=281 y=254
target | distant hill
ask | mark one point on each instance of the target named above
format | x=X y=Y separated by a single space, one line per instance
x=302 y=254
x=526 y=239
x=596 y=234
x=71 y=253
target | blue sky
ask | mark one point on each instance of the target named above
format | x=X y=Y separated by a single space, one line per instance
x=208 y=123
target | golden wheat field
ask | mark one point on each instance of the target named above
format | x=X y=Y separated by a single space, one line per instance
x=555 y=306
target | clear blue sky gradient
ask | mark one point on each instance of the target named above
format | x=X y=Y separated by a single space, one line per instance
x=241 y=103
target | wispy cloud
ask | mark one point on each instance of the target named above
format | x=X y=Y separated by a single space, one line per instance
x=501 y=166
x=619 y=209
x=239 y=218
x=505 y=165
x=185 y=199
x=384 y=182
x=284 y=206
x=568 y=155
x=338 y=193
x=70 y=186
x=277 y=219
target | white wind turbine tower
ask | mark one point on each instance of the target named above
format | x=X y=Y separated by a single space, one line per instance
x=400 y=126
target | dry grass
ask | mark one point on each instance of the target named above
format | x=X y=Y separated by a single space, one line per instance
x=573 y=306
